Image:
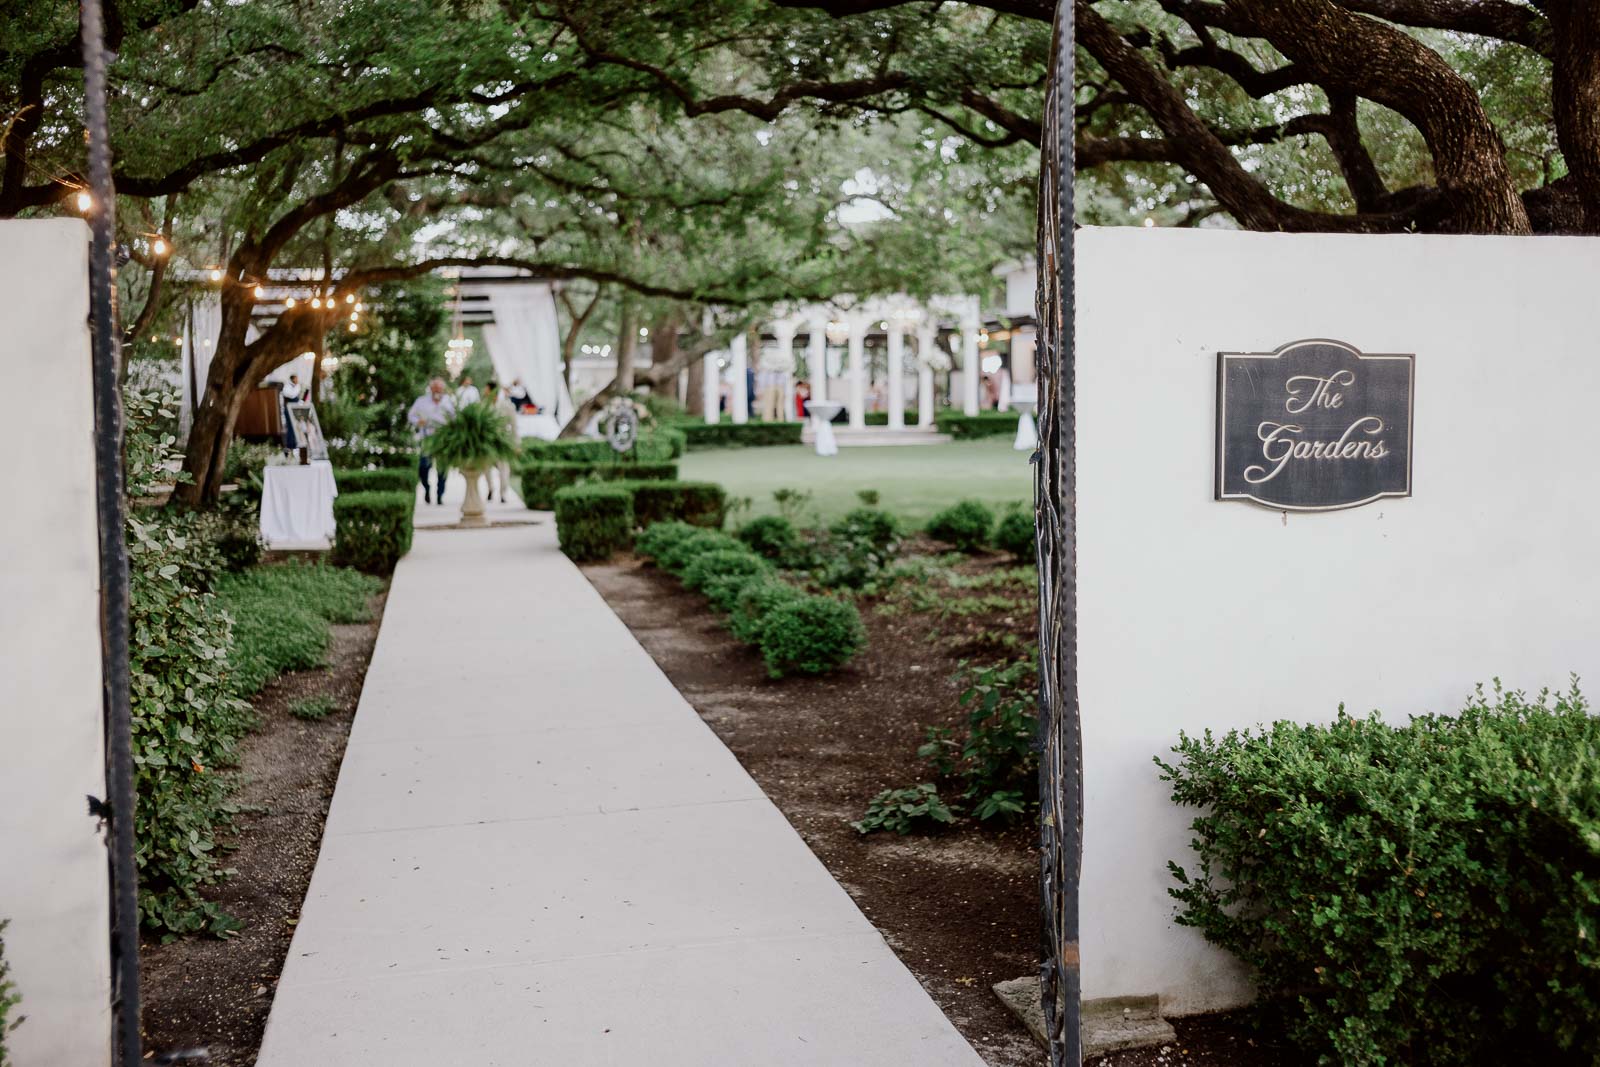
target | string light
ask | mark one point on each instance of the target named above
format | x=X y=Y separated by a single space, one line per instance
x=158 y=247
x=316 y=302
x=216 y=275
x=289 y=303
x=259 y=292
x=85 y=201
x=353 y=327
x=349 y=298
x=360 y=307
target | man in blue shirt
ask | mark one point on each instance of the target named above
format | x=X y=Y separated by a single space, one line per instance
x=428 y=412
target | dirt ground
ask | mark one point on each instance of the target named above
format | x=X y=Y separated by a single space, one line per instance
x=213 y=994
x=959 y=908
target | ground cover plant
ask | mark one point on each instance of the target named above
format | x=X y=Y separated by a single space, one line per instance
x=281 y=613
x=1418 y=893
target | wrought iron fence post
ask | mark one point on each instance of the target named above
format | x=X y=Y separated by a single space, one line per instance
x=1060 y=737
x=111 y=505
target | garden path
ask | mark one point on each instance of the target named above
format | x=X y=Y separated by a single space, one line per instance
x=538 y=854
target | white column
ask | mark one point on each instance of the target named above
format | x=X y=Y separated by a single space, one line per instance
x=858 y=372
x=897 y=385
x=817 y=357
x=927 y=337
x=784 y=332
x=739 y=403
x=970 y=371
x=710 y=378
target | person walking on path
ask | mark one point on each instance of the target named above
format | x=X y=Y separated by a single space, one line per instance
x=467 y=393
x=428 y=412
x=507 y=411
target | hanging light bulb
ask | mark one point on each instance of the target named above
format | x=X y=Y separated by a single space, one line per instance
x=353 y=327
x=360 y=307
x=316 y=301
x=85 y=201
x=158 y=247
x=349 y=298
x=259 y=292
x=289 y=303
x=216 y=274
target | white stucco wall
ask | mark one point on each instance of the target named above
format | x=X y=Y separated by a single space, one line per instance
x=1195 y=613
x=53 y=881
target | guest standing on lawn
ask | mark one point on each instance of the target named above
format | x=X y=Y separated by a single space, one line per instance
x=429 y=412
x=507 y=410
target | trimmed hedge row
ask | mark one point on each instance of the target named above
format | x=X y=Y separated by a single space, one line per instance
x=374 y=529
x=881 y=418
x=741 y=435
x=540 y=481
x=983 y=424
x=353 y=458
x=797 y=633
x=655 y=446
x=385 y=480
x=594 y=520
x=700 y=505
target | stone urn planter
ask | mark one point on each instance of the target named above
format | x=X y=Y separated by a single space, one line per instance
x=472 y=511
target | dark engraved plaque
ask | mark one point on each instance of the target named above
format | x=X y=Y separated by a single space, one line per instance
x=1314 y=426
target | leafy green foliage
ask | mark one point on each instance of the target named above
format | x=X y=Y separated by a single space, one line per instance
x=473 y=438
x=185 y=715
x=755 y=600
x=698 y=503
x=741 y=435
x=389 y=480
x=593 y=521
x=373 y=530
x=313 y=708
x=995 y=763
x=791 y=502
x=1014 y=533
x=675 y=557
x=281 y=614
x=811 y=635
x=369 y=456
x=387 y=364
x=905 y=810
x=965 y=525
x=859 y=546
x=10 y=997
x=659 y=537
x=772 y=537
x=654 y=446
x=723 y=561
x=1425 y=893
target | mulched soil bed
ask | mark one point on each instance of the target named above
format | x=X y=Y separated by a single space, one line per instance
x=959 y=908
x=214 y=994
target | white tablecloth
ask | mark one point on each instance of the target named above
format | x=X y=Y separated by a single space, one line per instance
x=297 y=504
x=822 y=413
x=544 y=427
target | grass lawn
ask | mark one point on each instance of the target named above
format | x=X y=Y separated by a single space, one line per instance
x=913 y=481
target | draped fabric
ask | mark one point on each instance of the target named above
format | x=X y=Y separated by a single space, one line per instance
x=200 y=336
x=525 y=342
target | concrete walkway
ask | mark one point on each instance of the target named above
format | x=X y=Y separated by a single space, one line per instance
x=539 y=855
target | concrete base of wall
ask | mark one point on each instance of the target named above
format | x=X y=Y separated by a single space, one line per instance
x=1109 y=1025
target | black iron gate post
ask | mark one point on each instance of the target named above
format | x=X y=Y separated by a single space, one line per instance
x=1060 y=739
x=109 y=499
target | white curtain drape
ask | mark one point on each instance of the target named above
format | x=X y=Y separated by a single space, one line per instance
x=525 y=342
x=200 y=335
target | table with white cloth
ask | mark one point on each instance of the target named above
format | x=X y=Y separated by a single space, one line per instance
x=544 y=427
x=822 y=415
x=297 y=504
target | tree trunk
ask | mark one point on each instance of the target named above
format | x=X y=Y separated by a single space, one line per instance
x=695 y=402
x=627 y=341
x=1575 y=92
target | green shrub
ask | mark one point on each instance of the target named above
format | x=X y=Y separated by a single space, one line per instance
x=1014 y=534
x=593 y=521
x=697 y=503
x=1421 y=894
x=811 y=635
x=859 y=547
x=753 y=602
x=719 y=562
x=965 y=525
x=750 y=434
x=983 y=424
x=373 y=529
x=995 y=762
x=281 y=614
x=186 y=718
x=9 y=999
x=385 y=480
x=678 y=556
x=881 y=418
x=475 y=437
x=653 y=446
x=905 y=810
x=541 y=480
x=659 y=537
x=772 y=537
